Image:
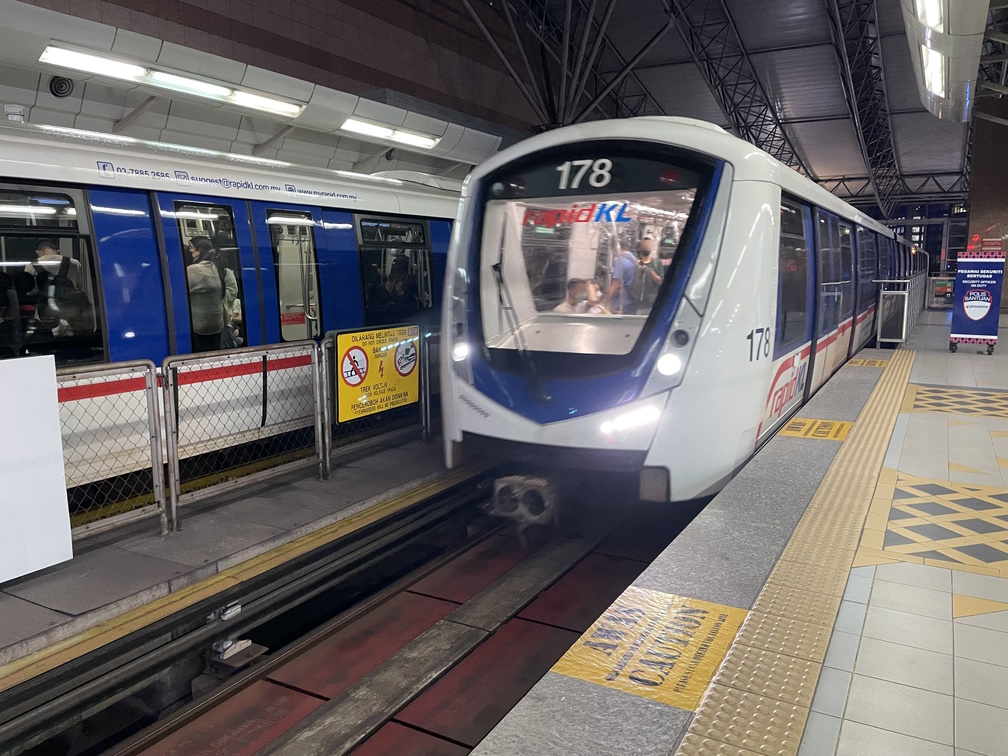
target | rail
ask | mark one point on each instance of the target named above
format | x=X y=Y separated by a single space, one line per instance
x=222 y=408
x=901 y=302
x=110 y=426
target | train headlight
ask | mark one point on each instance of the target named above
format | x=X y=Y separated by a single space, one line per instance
x=633 y=419
x=669 y=364
x=460 y=351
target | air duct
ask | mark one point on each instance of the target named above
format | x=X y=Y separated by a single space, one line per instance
x=946 y=37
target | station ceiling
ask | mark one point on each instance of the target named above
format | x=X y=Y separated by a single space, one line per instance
x=830 y=80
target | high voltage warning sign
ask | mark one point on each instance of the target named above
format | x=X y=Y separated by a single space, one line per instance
x=378 y=371
x=655 y=645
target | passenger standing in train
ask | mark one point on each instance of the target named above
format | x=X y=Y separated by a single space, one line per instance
x=50 y=259
x=649 y=275
x=230 y=295
x=623 y=272
x=206 y=291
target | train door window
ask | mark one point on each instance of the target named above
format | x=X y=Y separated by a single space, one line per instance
x=49 y=301
x=866 y=253
x=292 y=235
x=829 y=295
x=845 y=269
x=213 y=275
x=792 y=294
x=395 y=259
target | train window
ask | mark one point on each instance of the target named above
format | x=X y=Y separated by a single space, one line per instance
x=292 y=235
x=48 y=297
x=829 y=295
x=845 y=271
x=395 y=261
x=213 y=275
x=37 y=210
x=792 y=293
x=866 y=253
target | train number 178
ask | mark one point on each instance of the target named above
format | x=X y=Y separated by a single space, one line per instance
x=759 y=343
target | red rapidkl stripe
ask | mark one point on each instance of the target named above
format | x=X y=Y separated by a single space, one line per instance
x=243 y=368
x=95 y=390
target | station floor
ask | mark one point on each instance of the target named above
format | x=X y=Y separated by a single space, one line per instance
x=125 y=577
x=846 y=593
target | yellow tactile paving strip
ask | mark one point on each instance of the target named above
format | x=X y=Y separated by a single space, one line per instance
x=955 y=401
x=34 y=664
x=826 y=430
x=867 y=362
x=785 y=636
x=959 y=526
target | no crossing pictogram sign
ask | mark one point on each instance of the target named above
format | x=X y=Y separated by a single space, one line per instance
x=354 y=366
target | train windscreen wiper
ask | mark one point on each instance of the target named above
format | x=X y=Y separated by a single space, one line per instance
x=504 y=297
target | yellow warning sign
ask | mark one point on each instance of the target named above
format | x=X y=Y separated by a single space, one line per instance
x=867 y=362
x=655 y=645
x=376 y=371
x=830 y=430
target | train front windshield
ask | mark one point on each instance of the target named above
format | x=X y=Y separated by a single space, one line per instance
x=580 y=271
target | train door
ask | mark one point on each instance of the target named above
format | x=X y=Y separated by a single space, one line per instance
x=865 y=309
x=843 y=273
x=211 y=314
x=827 y=299
x=288 y=235
x=793 y=331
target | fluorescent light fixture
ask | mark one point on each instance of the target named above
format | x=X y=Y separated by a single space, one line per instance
x=290 y=220
x=25 y=210
x=669 y=364
x=185 y=84
x=378 y=131
x=933 y=63
x=268 y=104
x=94 y=64
x=929 y=13
x=116 y=69
x=70 y=211
x=193 y=215
x=633 y=419
x=460 y=351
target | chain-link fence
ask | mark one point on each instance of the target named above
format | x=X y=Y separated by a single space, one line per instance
x=112 y=453
x=238 y=414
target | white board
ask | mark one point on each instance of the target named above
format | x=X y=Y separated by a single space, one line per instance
x=34 y=517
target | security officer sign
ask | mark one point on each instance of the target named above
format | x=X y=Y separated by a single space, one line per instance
x=376 y=371
x=977 y=295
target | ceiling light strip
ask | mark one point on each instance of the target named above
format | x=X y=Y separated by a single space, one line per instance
x=100 y=65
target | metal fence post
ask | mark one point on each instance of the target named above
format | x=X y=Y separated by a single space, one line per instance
x=425 y=387
x=157 y=458
x=171 y=441
x=320 y=446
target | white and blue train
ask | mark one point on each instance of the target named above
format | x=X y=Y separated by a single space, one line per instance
x=652 y=297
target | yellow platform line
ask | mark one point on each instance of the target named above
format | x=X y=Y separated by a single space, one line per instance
x=36 y=663
x=771 y=721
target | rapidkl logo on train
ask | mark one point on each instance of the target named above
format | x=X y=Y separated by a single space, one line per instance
x=597 y=212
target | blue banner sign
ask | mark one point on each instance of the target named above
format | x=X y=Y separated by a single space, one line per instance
x=977 y=295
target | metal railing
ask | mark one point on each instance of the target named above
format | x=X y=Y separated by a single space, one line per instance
x=901 y=302
x=110 y=425
x=232 y=416
x=220 y=420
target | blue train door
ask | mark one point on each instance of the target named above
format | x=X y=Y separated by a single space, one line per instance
x=290 y=242
x=188 y=220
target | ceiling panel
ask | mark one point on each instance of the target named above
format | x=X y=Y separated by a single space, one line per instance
x=901 y=86
x=890 y=17
x=682 y=92
x=766 y=24
x=830 y=148
x=925 y=144
x=803 y=83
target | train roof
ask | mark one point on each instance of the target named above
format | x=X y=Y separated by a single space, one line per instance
x=748 y=162
x=58 y=155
